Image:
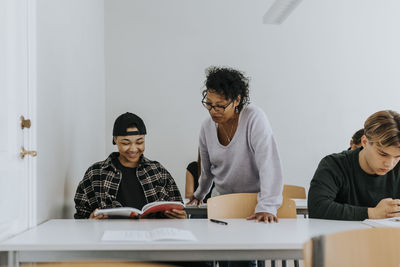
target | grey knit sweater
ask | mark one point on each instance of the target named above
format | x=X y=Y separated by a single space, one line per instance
x=249 y=163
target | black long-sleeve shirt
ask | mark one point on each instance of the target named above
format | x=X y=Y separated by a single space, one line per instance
x=341 y=190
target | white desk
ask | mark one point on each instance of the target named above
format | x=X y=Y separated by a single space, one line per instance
x=63 y=240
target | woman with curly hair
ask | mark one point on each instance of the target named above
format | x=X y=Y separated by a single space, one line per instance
x=237 y=147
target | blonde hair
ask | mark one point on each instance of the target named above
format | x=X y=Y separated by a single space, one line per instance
x=383 y=128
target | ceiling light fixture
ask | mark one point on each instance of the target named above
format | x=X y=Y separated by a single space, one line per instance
x=279 y=11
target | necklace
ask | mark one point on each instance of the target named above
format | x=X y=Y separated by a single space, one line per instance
x=226 y=133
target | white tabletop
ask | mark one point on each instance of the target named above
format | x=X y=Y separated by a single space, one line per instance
x=240 y=239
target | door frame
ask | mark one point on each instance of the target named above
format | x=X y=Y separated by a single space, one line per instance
x=20 y=32
x=30 y=139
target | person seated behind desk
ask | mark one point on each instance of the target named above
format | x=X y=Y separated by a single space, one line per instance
x=126 y=178
x=355 y=141
x=193 y=171
x=362 y=183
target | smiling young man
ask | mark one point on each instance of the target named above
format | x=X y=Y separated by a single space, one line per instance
x=126 y=178
x=361 y=183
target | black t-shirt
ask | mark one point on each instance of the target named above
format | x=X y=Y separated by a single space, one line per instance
x=130 y=192
x=341 y=190
x=193 y=169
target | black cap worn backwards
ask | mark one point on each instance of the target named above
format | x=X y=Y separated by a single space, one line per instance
x=125 y=121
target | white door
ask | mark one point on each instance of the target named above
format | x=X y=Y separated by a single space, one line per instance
x=16 y=174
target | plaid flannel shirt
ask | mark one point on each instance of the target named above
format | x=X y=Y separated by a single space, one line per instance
x=99 y=186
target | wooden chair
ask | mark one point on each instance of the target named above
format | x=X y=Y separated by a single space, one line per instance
x=294 y=191
x=231 y=206
x=287 y=209
x=363 y=247
x=242 y=205
x=95 y=264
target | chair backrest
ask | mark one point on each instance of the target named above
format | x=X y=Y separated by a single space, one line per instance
x=293 y=191
x=287 y=209
x=363 y=247
x=242 y=205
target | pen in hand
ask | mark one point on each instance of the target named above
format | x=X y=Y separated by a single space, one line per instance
x=218 y=221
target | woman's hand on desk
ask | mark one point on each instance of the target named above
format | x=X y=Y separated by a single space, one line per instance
x=175 y=214
x=98 y=217
x=263 y=217
x=194 y=201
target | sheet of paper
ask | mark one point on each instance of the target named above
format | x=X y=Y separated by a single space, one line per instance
x=157 y=234
x=125 y=236
x=389 y=222
x=171 y=234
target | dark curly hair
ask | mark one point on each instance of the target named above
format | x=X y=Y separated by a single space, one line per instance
x=229 y=83
x=357 y=136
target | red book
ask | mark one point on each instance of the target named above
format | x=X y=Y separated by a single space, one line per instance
x=147 y=209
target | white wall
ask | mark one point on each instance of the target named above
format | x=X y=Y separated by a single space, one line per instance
x=317 y=76
x=70 y=100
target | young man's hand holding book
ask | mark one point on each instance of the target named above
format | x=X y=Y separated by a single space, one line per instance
x=175 y=214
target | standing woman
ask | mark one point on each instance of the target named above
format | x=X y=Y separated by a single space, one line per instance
x=237 y=147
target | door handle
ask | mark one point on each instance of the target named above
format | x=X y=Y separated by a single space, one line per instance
x=24 y=152
x=25 y=123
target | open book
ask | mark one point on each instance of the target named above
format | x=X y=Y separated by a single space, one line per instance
x=147 y=209
x=157 y=234
x=389 y=222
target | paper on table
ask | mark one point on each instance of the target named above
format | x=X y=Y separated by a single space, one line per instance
x=154 y=235
x=389 y=222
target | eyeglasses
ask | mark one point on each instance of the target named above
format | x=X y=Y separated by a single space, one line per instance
x=219 y=109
